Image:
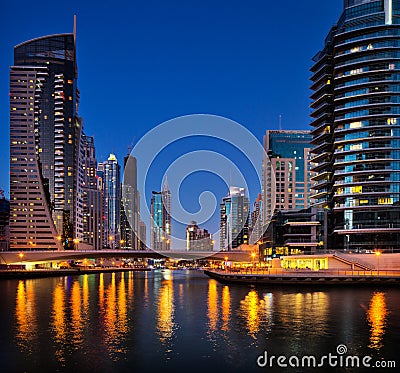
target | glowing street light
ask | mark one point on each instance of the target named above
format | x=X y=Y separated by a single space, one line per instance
x=253 y=256
x=21 y=255
x=378 y=254
x=76 y=242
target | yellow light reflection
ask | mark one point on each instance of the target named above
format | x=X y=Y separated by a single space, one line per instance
x=110 y=316
x=226 y=308
x=304 y=309
x=130 y=285
x=122 y=315
x=85 y=289
x=166 y=308
x=377 y=313
x=212 y=305
x=25 y=316
x=59 y=324
x=101 y=290
x=76 y=314
x=250 y=310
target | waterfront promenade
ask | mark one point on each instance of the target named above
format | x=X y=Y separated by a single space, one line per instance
x=279 y=276
x=42 y=273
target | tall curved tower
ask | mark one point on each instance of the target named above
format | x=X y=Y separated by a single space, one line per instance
x=356 y=120
x=45 y=145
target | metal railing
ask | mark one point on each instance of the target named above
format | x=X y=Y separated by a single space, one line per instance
x=282 y=272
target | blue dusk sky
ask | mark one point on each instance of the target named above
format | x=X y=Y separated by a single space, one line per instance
x=142 y=63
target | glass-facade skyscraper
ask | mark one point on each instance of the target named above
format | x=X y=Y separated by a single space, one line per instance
x=234 y=219
x=286 y=171
x=160 y=219
x=356 y=126
x=45 y=145
x=109 y=172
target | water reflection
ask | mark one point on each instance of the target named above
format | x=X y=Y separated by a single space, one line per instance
x=226 y=308
x=166 y=308
x=59 y=326
x=376 y=314
x=250 y=310
x=212 y=305
x=122 y=314
x=76 y=315
x=85 y=290
x=25 y=316
x=304 y=311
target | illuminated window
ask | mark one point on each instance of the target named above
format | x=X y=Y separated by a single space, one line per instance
x=391 y=120
x=355 y=49
x=356 y=147
x=364 y=202
x=355 y=125
x=385 y=201
x=356 y=189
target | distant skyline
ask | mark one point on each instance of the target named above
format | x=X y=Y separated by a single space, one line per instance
x=141 y=64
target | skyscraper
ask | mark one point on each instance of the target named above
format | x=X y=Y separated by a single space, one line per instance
x=45 y=138
x=92 y=197
x=4 y=222
x=109 y=171
x=142 y=235
x=234 y=219
x=356 y=119
x=130 y=206
x=160 y=220
x=286 y=171
x=256 y=227
x=198 y=239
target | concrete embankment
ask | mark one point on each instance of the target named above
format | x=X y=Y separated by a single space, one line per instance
x=40 y=273
x=305 y=279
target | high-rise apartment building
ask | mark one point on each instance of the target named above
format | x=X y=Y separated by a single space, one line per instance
x=130 y=206
x=234 y=219
x=356 y=126
x=45 y=139
x=198 y=239
x=286 y=171
x=4 y=222
x=142 y=235
x=160 y=219
x=92 y=197
x=109 y=172
x=256 y=227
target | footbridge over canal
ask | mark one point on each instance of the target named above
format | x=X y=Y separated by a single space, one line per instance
x=23 y=257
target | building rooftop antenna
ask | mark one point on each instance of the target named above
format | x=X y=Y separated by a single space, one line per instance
x=131 y=146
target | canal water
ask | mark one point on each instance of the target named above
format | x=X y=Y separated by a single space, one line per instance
x=182 y=321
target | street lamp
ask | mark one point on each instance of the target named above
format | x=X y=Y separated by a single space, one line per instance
x=378 y=254
x=226 y=264
x=253 y=255
x=21 y=255
x=76 y=242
